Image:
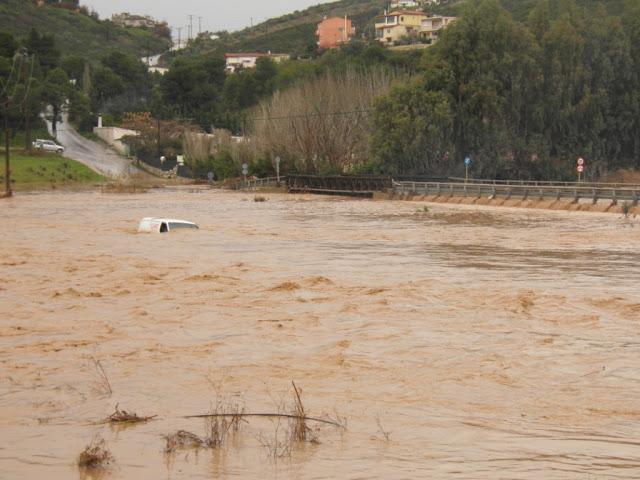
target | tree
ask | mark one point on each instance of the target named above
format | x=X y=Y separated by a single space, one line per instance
x=56 y=91
x=8 y=45
x=44 y=48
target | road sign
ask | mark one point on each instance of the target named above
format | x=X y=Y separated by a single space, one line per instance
x=581 y=162
x=580 y=168
x=210 y=176
x=468 y=161
x=245 y=168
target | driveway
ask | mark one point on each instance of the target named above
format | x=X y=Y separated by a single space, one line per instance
x=92 y=154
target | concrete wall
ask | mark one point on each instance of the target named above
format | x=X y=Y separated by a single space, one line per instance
x=113 y=135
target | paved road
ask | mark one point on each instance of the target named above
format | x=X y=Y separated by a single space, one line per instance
x=92 y=154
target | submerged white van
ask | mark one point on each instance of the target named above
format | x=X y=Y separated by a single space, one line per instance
x=163 y=225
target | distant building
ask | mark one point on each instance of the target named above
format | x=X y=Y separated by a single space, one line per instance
x=248 y=60
x=334 y=31
x=398 y=25
x=431 y=27
x=134 y=21
x=404 y=4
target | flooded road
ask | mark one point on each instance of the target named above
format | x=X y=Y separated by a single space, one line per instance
x=462 y=342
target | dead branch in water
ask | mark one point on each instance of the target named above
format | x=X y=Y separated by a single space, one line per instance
x=95 y=455
x=270 y=415
x=122 y=416
x=300 y=431
x=103 y=380
x=182 y=439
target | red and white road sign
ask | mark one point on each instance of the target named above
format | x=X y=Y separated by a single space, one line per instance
x=581 y=162
x=580 y=168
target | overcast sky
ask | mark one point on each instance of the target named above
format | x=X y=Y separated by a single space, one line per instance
x=216 y=14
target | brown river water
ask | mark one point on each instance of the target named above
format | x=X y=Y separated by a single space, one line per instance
x=462 y=342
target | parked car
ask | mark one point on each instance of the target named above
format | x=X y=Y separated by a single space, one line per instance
x=48 y=146
x=163 y=225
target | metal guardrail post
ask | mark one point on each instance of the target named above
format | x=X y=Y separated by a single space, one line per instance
x=541 y=194
x=558 y=194
x=479 y=192
x=526 y=194
x=635 y=199
x=595 y=196
x=614 y=197
x=439 y=190
x=576 y=196
x=509 y=191
x=466 y=193
x=493 y=193
x=451 y=190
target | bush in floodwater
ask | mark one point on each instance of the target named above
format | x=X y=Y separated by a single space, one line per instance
x=95 y=455
x=259 y=199
x=626 y=209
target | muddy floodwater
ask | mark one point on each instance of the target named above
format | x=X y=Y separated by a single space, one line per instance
x=458 y=342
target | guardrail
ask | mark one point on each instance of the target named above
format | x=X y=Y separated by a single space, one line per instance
x=540 y=190
x=537 y=183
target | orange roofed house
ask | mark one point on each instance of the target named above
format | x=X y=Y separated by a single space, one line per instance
x=334 y=31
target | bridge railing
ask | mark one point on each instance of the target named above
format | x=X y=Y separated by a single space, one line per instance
x=557 y=191
x=256 y=183
x=340 y=184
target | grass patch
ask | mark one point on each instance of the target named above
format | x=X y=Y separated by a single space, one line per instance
x=47 y=170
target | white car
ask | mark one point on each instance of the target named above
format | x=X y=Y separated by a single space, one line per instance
x=163 y=225
x=49 y=146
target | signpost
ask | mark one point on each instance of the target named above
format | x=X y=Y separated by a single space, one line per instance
x=210 y=177
x=278 y=169
x=467 y=163
x=581 y=166
x=245 y=170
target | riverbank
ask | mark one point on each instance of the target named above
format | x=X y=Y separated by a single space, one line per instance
x=47 y=171
x=602 y=206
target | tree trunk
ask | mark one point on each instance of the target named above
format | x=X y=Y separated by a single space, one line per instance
x=27 y=132
x=7 y=160
x=54 y=122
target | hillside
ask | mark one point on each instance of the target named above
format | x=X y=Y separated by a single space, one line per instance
x=295 y=33
x=75 y=33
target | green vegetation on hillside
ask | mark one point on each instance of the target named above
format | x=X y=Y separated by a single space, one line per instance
x=48 y=170
x=77 y=34
x=523 y=100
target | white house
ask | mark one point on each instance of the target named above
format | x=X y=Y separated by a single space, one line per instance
x=248 y=60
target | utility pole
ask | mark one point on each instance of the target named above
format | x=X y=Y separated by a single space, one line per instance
x=191 y=17
x=199 y=26
x=179 y=38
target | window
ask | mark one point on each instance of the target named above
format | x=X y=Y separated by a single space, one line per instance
x=175 y=226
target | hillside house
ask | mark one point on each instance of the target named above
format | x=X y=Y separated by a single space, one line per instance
x=125 y=19
x=249 y=60
x=397 y=25
x=431 y=27
x=334 y=31
x=400 y=4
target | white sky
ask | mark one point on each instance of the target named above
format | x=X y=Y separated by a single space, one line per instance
x=216 y=14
